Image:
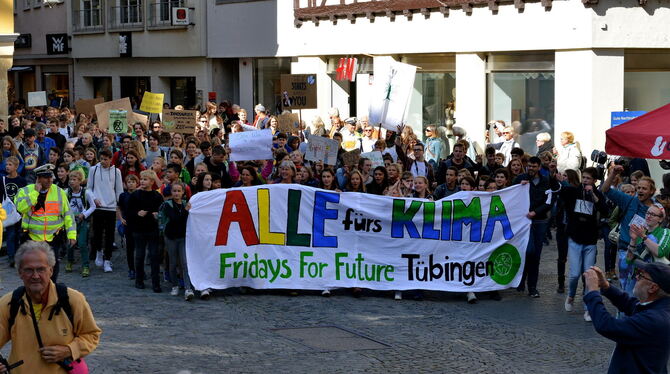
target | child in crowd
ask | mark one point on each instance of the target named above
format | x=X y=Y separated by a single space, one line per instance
x=172 y=175
x=173 y=215
x=82 y=205
x=176 y=158
x=13 y=183
x=122 y=212
x=63 y=175
x=142 y=216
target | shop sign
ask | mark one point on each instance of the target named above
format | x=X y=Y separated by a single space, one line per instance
x=23 y=41
x=346 y=69
x=298 y=91
x=622 y=117
x=180 y=17
x=57 y=44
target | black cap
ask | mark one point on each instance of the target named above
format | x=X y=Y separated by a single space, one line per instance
x=659 y=273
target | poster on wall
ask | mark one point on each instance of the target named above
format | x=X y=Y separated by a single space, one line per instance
x=391 y=91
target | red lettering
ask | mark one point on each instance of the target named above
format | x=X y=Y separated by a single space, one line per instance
x=241 y=215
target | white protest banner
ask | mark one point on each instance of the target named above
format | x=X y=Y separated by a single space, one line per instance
x=322 y=149
x=251 y=145
x=376 y=157
x=298 y=237
x=37 y=98
x=391 y=91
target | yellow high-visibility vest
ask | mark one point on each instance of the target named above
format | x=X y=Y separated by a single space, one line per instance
x=43 y=224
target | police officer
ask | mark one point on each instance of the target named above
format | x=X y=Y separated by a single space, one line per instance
x=45 y=212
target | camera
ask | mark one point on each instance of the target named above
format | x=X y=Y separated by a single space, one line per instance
x=599 y=157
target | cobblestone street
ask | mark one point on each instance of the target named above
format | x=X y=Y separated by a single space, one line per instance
x=145 y=332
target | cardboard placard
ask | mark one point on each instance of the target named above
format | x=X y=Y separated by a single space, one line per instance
x=351 y=158
x=152 y=102
x=102 y=111
x=322 y=149
x=298 y=91
x=390 y=92
x=181 y=121
x=37 y=98
x=376 y=157
x=119 y=121
x=87 y=106
x=288 y=122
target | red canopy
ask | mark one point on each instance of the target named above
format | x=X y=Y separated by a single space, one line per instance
x=647 y=136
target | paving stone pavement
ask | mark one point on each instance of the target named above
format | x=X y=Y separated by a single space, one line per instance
x=144 y=332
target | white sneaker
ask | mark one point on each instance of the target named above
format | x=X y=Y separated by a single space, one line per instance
x=204 y=294
x=108 y=266
x=175 y=291
x=398 y=295
x=188 y=295
x=99 y=259
x=325 y=293
x=568 y=304
x=472 y=299
x=587 y=316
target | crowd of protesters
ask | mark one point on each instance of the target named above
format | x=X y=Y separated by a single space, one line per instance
x=138 y=185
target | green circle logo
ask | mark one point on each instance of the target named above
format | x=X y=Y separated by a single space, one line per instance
x=506 y=263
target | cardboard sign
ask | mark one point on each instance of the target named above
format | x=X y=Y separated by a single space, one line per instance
x=37 y=98
x=288 y=122
x=102 y=111
x=118 y=120
x=87 y=106
x=251 y=145
x=351 y=158
x=181 y=121
x=322 y=149
x=390 y=92
x=152 y=102
x=298 y=91
x=375 y=156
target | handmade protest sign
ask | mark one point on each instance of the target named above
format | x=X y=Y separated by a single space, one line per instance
x=298 y=91
x=251 y=145
x=87 y=106
x=322 y=149
x=391 y=92
x=37 y=98
x=351 y=158
x=102 y=112
x=376 y=157
x=298 y=237
x=152 y=102
x=181 y=121
x=288 y=122
x=118 y=120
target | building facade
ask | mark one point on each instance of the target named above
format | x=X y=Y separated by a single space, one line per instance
x=42 y=59
x=123 y=48
x=544 y=65
x=7 y=37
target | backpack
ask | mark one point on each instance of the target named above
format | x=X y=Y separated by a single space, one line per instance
x=63 y=304
x=82 y=196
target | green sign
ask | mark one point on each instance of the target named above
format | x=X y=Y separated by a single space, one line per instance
x=118 y=121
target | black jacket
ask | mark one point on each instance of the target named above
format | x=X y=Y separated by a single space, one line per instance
x=539 y=202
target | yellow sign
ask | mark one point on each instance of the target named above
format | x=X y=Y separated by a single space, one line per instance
x=152 y=102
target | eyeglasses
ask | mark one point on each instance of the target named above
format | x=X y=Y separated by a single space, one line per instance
x=30 y=271
x=638 y=276
x=653 y=215
x=429 y=130
x=506 y=132
x=366 y=130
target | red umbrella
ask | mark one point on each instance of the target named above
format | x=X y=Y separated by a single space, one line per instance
x=647 y=136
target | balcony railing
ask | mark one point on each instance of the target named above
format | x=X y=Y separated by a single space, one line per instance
x=88 y=20
x=129 y=17
x=160 y=14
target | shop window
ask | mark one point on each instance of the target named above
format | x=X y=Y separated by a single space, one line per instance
x=182 y=92
x=102 y=87
x=57 y=85
x=134 y=88
x=646 y=90
x=524 y=100
x=430 y=102
x=267 y=74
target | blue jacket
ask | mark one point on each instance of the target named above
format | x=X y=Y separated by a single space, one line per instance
x=642 y=336
x=631 y=206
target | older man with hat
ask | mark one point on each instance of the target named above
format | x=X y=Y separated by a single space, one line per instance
x=642 y=334
x=45 y=212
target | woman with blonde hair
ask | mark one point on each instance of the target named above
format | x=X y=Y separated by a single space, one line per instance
x=318 y=127
x=569 y=156
x=214 y=121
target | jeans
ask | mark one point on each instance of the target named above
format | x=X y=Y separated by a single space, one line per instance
x=12 y=236
x=610 y=249
x=82 y=244
x=581 y=258
x=562 y=246
x=533 y=252
x=104 y=224
x=626 y=274
x=176 y=251
x=147 y=241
